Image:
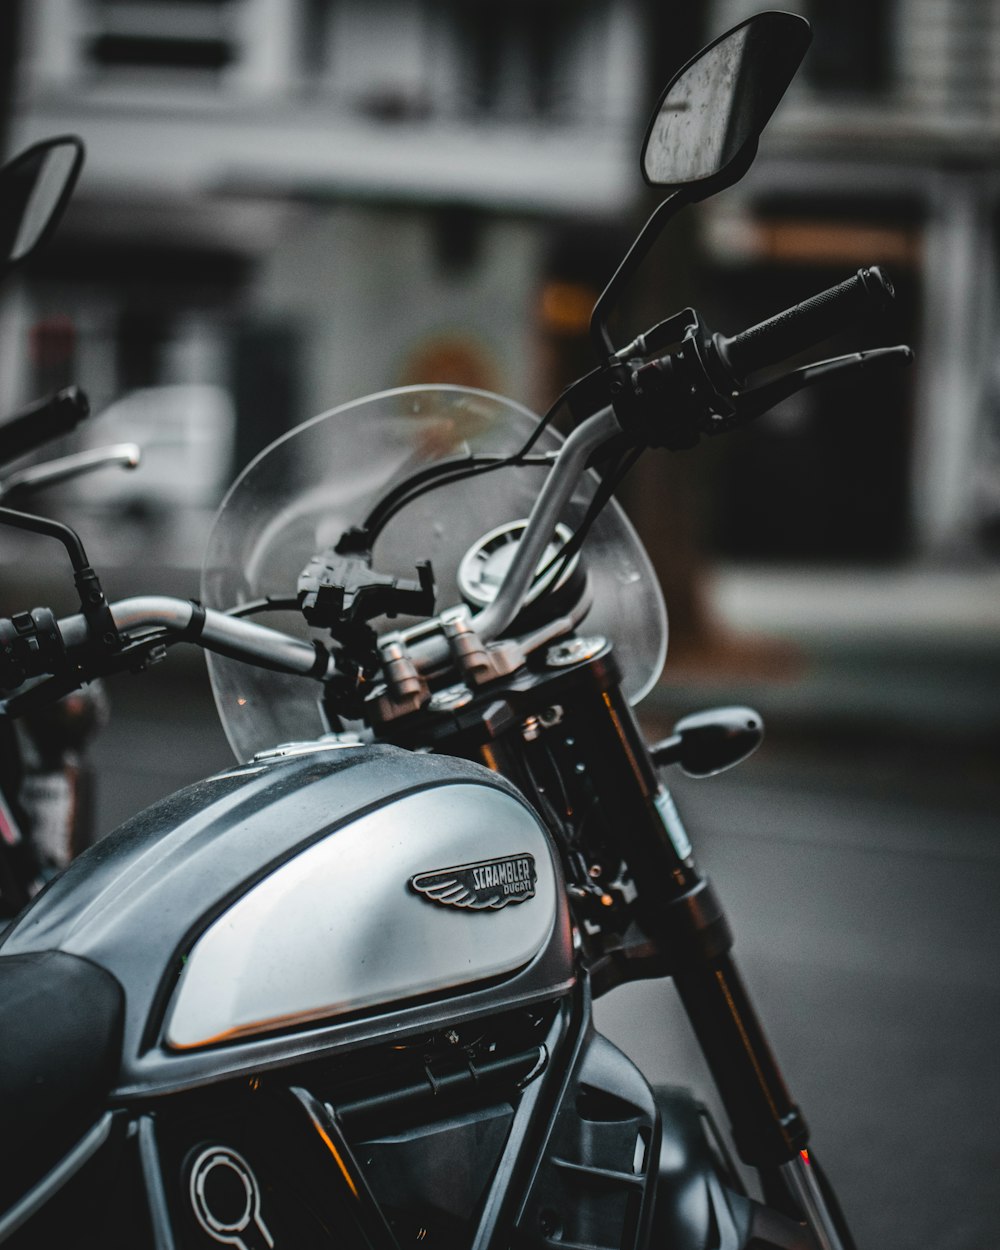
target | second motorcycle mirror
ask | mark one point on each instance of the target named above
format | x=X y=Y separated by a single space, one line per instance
x=710 y=116
x=34 y=190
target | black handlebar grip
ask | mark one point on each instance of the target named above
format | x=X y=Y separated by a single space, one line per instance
x=808 y=323
x=39 y=422
x=12 y=671
x=31 y=645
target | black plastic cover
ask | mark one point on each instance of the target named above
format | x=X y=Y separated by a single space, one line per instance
x=596 y=1184
x=60 y=1034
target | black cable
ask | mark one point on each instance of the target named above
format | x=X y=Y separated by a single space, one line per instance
x=411 y=490
x=444 y=474
x=544 y=423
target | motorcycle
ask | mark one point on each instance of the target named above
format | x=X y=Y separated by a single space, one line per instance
x=340 y=993
x=46 y=785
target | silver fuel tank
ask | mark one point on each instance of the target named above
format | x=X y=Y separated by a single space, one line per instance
x=326 y=897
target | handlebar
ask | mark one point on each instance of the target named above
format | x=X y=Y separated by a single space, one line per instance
x=556 y=492
x=806 y=324
x=44 y=420
x=771 y=341
x=146 y=622
x=36 y=644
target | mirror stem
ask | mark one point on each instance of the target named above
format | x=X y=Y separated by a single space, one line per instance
x=608 y=299
x=49 y=529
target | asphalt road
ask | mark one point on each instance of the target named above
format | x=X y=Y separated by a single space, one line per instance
x=868 y=930
x=863 y=888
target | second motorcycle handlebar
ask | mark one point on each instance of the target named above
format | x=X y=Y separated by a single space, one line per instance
x=42 y=421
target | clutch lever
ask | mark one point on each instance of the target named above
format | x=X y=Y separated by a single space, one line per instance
x=134 y=656
x=755 y=402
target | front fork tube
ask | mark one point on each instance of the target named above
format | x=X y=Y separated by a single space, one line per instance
x=768 y=1129
x=800 y=1175
x=679 y=910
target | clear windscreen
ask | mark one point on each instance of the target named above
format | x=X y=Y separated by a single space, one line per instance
x=299 y=496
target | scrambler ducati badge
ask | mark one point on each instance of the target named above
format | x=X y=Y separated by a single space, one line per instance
x=490 y=883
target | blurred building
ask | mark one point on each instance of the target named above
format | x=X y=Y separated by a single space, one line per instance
x=304 y=200
x=888 y=148
x=324 y=194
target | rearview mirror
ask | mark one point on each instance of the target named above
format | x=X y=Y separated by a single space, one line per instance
x=34 y=190
x=712 y=112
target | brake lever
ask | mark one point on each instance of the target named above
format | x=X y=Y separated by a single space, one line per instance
x=760 y=399
x=54 y=472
